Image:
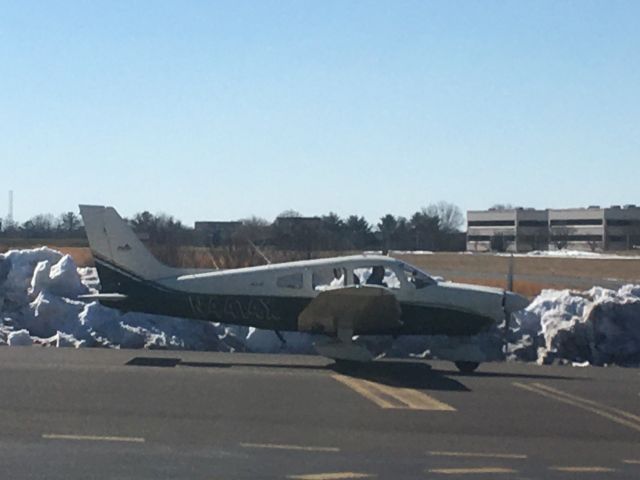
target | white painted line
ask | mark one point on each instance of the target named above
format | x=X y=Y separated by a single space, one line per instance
x=631 y=462
x=92 y=438
x=473 y=471
x=617 y=411
x=584 y=404
x=514 y=456
x=277 y=446
x=331 y=476
x=579 y=469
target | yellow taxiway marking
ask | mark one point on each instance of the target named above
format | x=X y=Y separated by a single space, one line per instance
x=386 y=396
x=579 y=469
x=615 y=415
x=472 y=471
x=277 y=446
x=515 y=456
x=331 y=476
x=92 y=438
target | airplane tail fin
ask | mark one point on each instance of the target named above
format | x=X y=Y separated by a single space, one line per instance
x=115 y=245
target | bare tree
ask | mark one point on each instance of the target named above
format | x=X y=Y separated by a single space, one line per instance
x=501 y=206
x=39 y=226
x=69 y=222
x=560 y=236
x=594 y=244
x=450 y=218
x=256 y=229
x=289 y=214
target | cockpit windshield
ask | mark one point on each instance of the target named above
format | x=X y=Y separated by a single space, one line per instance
x=417 y=277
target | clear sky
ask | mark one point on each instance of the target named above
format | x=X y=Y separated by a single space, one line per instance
x=222 y=110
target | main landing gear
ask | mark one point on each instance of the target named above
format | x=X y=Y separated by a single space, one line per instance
x=467 y=367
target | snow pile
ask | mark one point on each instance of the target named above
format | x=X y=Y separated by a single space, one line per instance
x=571 y=254
x=39 y=304
x=599 y=326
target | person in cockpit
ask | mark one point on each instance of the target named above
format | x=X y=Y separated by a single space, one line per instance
x=377 y=276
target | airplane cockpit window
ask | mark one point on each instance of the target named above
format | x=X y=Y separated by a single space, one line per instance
x=377 y=275
x=325 y=278
x=293 y=280
x=417 y=278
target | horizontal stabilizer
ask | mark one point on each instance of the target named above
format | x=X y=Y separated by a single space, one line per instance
x=106 y=297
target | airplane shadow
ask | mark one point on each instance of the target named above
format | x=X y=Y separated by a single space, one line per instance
x=413 y=374
x=405 y=374
x=531 y=376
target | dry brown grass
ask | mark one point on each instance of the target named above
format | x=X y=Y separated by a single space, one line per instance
x=523 y=287
x=625 y=269
x=467 y=268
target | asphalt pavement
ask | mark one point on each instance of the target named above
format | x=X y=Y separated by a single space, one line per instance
x=131 y=414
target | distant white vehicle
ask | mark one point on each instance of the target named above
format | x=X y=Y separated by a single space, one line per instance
x=338 y=297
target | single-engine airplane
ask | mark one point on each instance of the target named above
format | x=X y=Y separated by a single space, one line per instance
x=339 y=297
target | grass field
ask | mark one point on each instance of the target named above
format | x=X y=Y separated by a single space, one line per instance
x=531 y=274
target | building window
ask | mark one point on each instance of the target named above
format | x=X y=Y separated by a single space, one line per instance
x=577 y=238
x=478 y=238
x=577 y=221
x=491 y=223
x=532 y=223
x=621 y=223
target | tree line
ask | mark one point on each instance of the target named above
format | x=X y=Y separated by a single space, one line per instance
x=436 y=227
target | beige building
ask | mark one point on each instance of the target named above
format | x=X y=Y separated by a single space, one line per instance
x=522 y=230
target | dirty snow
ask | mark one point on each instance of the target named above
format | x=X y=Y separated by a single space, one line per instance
x=39 y=305
x=571 y=254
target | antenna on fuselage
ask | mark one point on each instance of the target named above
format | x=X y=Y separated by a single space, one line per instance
x=255 y=247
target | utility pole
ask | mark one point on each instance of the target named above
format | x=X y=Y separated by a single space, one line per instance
x=10 y=213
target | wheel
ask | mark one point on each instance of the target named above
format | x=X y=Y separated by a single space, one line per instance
x=467 y=367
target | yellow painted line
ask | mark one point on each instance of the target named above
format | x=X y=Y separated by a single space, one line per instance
x=362 y=389
x=386 y=396
x=472 y=471
x=331 y=476
x=579 y=469
x=580 y=404
x=514 y=456
x=92 y=438
x=277 y=446
x=631 y=462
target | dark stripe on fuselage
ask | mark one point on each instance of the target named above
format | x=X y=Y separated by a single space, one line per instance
x=267 y=312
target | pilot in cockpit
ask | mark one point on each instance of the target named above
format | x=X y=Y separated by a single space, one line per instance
x=377 y=276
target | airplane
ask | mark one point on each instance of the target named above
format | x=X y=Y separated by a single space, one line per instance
x=337 y=297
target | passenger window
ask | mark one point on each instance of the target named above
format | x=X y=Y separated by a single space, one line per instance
x=325 y=278
x=377 y=275
x=293 y=280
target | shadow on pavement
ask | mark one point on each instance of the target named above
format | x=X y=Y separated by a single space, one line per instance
x=400 y=373
x=416 y=375
x=481 y=374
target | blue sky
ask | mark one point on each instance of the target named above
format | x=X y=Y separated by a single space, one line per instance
x=222 y=110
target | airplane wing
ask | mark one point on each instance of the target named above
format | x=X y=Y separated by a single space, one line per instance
x=361 y=309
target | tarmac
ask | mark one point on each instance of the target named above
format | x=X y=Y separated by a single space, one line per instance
x=135 y=414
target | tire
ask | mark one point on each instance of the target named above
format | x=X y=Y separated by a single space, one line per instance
x=467 y=367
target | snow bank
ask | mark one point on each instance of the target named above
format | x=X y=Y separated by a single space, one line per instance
x=572 y=254
x=39 y=304
x=599 y=326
